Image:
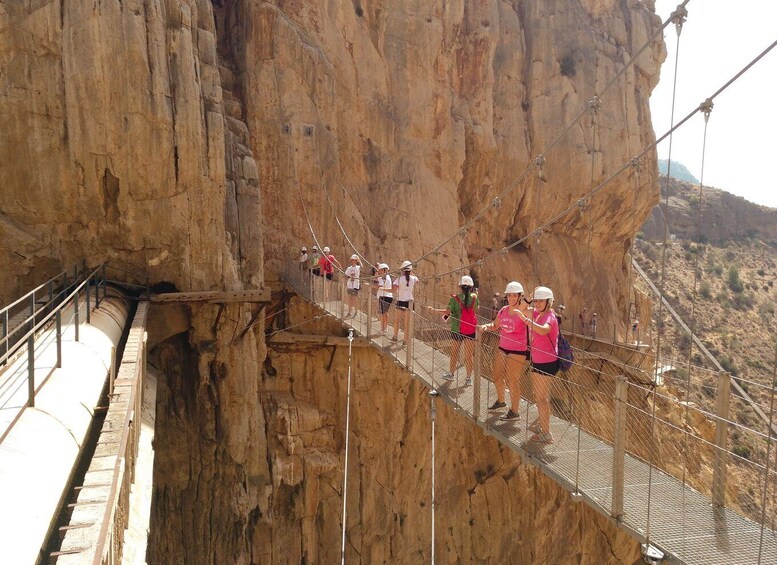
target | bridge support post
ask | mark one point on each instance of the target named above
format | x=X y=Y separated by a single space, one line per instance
x=409 y=337
x=343 y=297
x=370 y=301
x=619 y=445
x=476 y=375
x=77 y=321
x=721 y=441
x=31 y=371
x=4 y=348
x=105 y=286
x=112 y=373
x=58 y=316
x=88 y=302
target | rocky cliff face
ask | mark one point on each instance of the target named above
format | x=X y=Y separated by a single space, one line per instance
x=401 y=122
x=196 y=141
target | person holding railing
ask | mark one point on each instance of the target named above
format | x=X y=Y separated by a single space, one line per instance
x=353 y=285
x=461 y=313
x=513 y=349
x=404 y=290
x=385 y=295
x=545 y=363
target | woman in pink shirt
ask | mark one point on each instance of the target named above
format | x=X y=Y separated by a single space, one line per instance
x=544 y=359
x=513 y=350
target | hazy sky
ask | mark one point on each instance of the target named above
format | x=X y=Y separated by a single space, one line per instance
x=718 y=39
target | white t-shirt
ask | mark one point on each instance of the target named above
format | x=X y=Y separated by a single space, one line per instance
x=405 y=288
x=303 y=257
x=352 y=272
x=385 y=287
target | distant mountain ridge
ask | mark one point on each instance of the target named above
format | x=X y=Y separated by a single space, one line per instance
x=678 y=171
x=724 y=216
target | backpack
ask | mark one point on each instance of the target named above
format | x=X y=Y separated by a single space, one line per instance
x=468 y=321
x=565 y=355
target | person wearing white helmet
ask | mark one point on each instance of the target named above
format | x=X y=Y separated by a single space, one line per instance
x=327 y=264
x=353 y=285
x=544 y=359
x=385 y=295
x=314 y=257
x=513 y=349
x=404 y=292
x=302 y=259
x=463 y=323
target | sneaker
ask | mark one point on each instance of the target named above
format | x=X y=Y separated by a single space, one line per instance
x=535 y=427
x=542 y=437
x=468 y=382
x=497 y=405
x=509 y=415
x=448 y=376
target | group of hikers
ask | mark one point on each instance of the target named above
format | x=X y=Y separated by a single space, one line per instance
x=528 y=329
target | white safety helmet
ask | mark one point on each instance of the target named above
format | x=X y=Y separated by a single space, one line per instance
x=383 y=266
x=326 y=250
x=406 y=266
x=354 y=256
x=466 y=280
x=304 y=248
x=542 y=293
x=316 y=248
x=514 y=287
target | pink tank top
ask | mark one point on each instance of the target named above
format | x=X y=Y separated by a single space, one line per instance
x=512 y=335
x=544 y=348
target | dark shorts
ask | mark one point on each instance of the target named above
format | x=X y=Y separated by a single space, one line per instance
x=549 y=369
x=329 y=276
x=403 y=304
x=317 y=272
x=508 y=352
x=352 y=291
x=384 y=303
x=461 y=337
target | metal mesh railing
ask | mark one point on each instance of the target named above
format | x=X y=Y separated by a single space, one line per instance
x=669 y=460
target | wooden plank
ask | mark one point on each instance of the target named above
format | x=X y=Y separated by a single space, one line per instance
x=217 y=296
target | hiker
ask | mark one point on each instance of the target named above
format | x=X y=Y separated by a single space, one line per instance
x=385 y=295
x=353 y=285
x=404 y=291
x=303 y=259
x=461 y=313
x=560 y=313
x=593 y=325
x=512 y=354
x=582 y=317
x=544 y=359
x=327 y=264
x=314 y=257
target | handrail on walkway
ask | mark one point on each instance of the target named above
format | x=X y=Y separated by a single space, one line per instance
x=667 y=469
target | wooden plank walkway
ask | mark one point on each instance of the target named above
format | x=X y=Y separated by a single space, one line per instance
x=683 y=522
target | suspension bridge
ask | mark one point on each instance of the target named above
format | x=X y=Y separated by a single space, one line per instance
x=611 y=451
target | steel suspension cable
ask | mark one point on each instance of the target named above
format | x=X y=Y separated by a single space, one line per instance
x=679 y=20
x=347 y=440
x=433 y=395
x=686 y=410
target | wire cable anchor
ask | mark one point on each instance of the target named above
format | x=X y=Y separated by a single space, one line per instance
x=678 y=18
x=706 y=108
